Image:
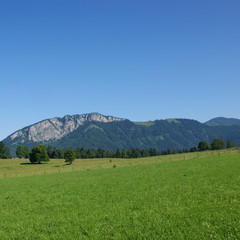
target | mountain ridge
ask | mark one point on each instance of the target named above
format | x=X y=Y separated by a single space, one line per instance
x=95 y=130
x=222 y=121
x=62 y=126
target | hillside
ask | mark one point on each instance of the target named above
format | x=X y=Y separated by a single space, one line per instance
x=99 y=131
x=221 y=121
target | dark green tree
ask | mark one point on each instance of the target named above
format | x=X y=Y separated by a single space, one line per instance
x=91 y=153
x=174 y=151
x=217 y=144
x=204 y=146
x=110 y=154
x=164 y=152
x=22 y=152
x=124 y=153
x=118 y=154
x=193 y=149
x=59 y=153
x=136 y=153
x=50 y=151
x=144 y=153
x=230 y=144
x=4 y=151
x=69 y=156
x=153 y=152
x=100 y=153
x=39 y=154
x=81 y=153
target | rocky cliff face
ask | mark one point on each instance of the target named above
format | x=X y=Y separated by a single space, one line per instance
x=56 y=128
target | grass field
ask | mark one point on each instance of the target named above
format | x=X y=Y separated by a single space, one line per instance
x=22 y=167
x=167 y=199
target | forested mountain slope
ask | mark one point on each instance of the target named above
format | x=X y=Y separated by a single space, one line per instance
x=110 y=133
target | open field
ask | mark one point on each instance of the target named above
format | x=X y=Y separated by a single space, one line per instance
x=194 y=199
x=22 y=167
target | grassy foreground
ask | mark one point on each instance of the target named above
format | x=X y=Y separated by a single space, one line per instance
x=194 y=199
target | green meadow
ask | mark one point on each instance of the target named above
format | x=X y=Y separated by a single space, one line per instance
x=22 y=167
x=183 y=196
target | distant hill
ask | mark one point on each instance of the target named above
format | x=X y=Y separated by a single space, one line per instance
x=221 y=121
x=110 y=133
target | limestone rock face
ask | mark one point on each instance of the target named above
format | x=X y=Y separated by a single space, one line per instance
x=56 y=128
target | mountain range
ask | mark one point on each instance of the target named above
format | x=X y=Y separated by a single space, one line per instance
x=95 y=130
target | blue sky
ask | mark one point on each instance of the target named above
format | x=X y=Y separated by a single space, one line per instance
x=140 y=60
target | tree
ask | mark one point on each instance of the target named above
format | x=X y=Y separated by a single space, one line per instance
x=230 y=144
x=153 y=152
x=204 y=146
x=110 y=154
x=118 y=154
x=4 y=151
x=38 y=154
x=136 y=153
x=193 y=149
x=22 y=152
x=217 y=144
x=124 y=153
x=69 y=156
x=55 y=153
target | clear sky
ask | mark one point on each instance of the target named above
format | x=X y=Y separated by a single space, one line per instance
x=137 y=59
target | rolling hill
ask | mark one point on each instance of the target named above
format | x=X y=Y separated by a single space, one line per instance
x=221 y=121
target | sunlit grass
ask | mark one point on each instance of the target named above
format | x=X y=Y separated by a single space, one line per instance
x=22 y=167
x=194 y=199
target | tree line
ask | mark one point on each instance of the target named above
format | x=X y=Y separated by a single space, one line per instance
x=4 y=151
x=42 y=153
